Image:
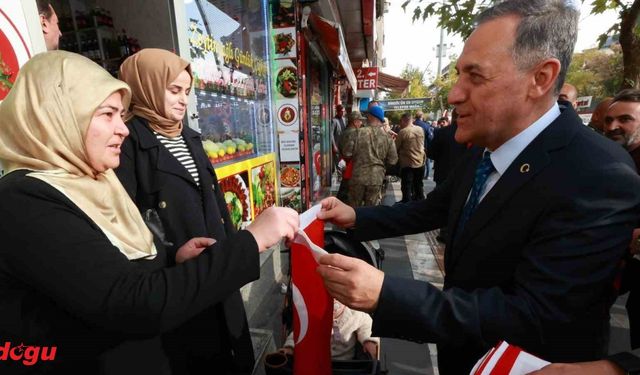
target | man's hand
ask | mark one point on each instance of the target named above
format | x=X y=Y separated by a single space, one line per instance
x=272 y=225
x=582 y=368
x=351 y=281
x=193 y=248
x=336 y=212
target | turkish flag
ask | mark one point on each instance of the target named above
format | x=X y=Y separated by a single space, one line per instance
x=312 y=305
x=507 y=359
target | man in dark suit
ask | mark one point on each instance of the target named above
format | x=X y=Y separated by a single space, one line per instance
x=539 y=217
x=445 y=152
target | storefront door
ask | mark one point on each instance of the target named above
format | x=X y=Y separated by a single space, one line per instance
x=318 y=103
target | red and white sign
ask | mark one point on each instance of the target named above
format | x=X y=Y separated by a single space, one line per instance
x=312 y=304
x=14 y=44
x=367 y=78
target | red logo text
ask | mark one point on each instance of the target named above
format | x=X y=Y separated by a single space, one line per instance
x=27 y=354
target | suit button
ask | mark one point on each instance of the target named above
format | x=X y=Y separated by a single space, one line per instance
x=162 y=204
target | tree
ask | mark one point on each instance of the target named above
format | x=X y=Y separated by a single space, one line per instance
x=456 y=16
x=417 y=88
x=441 y=87
x=596 y=73
x=629 y=30
x=416 y=78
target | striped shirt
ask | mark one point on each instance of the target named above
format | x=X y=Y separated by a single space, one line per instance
x=178 y=148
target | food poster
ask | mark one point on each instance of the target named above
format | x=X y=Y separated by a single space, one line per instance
x=250 y=184
x=286 y=109
x=229 y=54
x=292 y=198
x=236 y=195
x=282 y=14
x=284 y=42
x=263 y=189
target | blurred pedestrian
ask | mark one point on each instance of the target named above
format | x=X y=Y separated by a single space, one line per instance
x=411 y=159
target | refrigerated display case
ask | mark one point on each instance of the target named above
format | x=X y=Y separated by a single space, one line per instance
x=228 y=49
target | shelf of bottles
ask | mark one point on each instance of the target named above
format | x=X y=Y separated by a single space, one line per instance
x=93 y=35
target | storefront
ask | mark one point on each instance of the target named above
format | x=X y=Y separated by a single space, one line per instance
x=311 y=49
x=266 y=81
x=227 y=44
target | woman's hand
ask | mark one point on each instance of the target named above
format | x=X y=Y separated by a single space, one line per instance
x=193 y=248
x=272 y=225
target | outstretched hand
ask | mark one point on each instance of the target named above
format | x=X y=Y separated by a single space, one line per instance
x=272 y=225
x=351 y=281
x=193 y=248
x=335 y=211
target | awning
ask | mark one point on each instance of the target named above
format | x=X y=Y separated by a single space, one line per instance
x=331 y=40
x=390 y=83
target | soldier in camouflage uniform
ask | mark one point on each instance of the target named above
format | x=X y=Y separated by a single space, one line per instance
x=347 y=140
x=372 y=150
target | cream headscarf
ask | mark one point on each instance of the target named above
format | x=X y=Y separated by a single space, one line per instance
x=149 y=73
x=43 y=123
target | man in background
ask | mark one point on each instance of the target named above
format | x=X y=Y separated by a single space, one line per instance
x=372 y=152
x=569 y=94
x=622 y=125
x=428 y=137
x=597 y=118
x=411 y=158
x=49 y=24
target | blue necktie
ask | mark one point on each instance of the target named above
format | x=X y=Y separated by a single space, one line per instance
x=484 y=169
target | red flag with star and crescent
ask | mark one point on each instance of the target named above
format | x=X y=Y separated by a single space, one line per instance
x=312 y=304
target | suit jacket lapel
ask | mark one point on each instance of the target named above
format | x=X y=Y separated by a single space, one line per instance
x=533 y=159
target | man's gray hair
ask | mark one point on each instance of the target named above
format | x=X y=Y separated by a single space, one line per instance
x=547 y=29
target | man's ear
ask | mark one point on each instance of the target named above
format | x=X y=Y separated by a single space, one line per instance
x=544 y=77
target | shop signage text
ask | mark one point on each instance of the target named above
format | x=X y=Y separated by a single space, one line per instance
x=367 y=78
x=404 y=104
x=228 y=52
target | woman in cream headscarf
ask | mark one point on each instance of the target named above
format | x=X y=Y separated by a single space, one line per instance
x=164 y=168
x=78 y=267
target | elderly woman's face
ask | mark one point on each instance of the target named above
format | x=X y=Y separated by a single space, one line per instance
x=176 y=96
x=105 y=134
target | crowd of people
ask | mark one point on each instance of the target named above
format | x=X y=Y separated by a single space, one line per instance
x=118 y=247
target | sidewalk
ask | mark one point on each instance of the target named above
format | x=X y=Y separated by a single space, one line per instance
x=419 y=257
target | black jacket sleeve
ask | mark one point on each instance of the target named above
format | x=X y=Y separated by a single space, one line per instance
x=53 y=247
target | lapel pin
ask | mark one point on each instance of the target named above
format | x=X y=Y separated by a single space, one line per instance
x=524 y=168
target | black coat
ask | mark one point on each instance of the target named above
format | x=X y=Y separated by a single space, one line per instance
x=445 y=152
x=534 y=265
x=63 y=284
x=155 y=179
